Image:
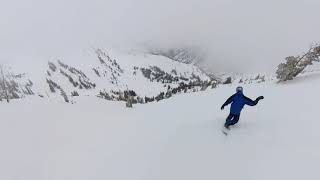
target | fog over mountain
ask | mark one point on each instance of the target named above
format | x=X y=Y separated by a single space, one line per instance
x=237 y=36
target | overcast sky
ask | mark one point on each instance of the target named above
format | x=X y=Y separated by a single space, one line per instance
x=240 y=35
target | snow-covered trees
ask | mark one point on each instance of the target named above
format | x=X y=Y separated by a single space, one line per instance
x=3 y=86
x=294 y=65
x=53 y=86
x=13 y=86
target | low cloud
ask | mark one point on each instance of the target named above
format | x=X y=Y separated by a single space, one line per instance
x=240 y=36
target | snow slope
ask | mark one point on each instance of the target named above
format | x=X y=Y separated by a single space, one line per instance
x=96 y=139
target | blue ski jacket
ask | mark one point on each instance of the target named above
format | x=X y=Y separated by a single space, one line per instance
x=238 y=101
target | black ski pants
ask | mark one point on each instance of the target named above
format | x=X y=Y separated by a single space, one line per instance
x=232 y=119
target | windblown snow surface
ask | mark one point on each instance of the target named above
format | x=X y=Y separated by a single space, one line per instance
x=176 y=139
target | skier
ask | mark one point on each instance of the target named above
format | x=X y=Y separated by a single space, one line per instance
x=238 y=100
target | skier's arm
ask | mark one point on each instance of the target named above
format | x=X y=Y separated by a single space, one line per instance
x=229 y=100
x=250 y=102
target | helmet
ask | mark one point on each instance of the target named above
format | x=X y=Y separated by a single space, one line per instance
x=239 y=89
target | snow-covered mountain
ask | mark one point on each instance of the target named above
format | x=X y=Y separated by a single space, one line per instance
x=188 y=54
x=117 y=75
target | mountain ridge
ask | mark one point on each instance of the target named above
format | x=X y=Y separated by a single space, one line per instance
x=111 y=74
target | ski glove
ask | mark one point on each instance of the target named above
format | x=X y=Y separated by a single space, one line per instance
x=222 y=107
x=259 y=98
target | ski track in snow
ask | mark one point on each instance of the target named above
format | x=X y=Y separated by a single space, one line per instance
x=179 y=138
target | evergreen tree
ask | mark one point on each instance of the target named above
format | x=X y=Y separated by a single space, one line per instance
x=294 y=65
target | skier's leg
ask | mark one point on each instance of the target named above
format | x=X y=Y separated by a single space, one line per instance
x=229 y=120
x=235 y=120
